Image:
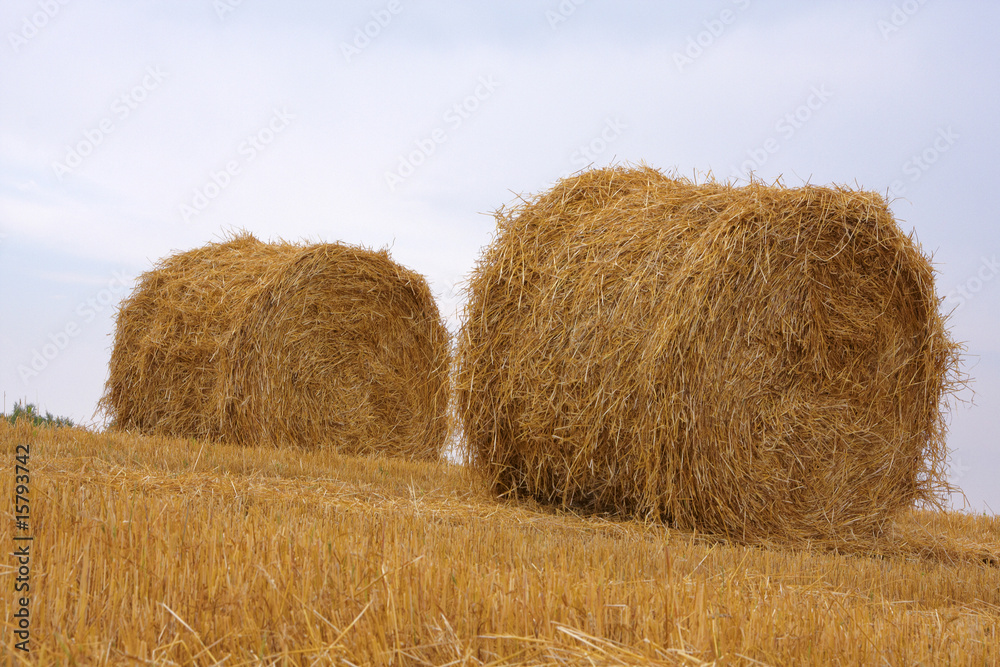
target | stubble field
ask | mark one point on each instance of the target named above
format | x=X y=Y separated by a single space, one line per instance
x=161 y=551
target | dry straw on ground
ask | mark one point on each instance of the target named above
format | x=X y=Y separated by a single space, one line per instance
x=248 y=342
x=165 y=551
x=759 y=361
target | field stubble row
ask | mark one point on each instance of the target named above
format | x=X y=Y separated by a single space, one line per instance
x=179 y=552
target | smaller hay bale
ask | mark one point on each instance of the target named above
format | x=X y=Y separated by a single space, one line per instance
x=756 y=361
x=254 y=343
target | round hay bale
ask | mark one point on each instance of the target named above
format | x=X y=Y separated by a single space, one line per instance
x=755 y=361
x=248 y=342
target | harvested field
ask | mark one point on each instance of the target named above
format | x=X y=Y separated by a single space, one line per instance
x=249 y=342
x=760 y=362
x=153 y=550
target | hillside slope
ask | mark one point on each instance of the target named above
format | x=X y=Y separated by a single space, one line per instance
x=150 y=550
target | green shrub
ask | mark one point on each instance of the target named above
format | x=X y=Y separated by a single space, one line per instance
x=30 y=411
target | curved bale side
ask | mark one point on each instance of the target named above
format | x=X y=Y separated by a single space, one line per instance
x=248 y=342
x=756 y=361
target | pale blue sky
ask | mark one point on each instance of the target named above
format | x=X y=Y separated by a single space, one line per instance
x=129 y=130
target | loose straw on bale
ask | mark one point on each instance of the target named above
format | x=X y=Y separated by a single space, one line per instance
x=254 y=343
x=757 y=361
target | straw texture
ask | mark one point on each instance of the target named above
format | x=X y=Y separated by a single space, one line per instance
x=758 y=361
x=248 y=342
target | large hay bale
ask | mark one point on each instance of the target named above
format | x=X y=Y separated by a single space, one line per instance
x=247 y=342
x=756 y=361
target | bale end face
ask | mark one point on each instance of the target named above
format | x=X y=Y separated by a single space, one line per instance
x=319 y=345
x=757 y=361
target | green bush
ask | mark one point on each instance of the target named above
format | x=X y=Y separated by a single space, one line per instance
x=29 y=411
